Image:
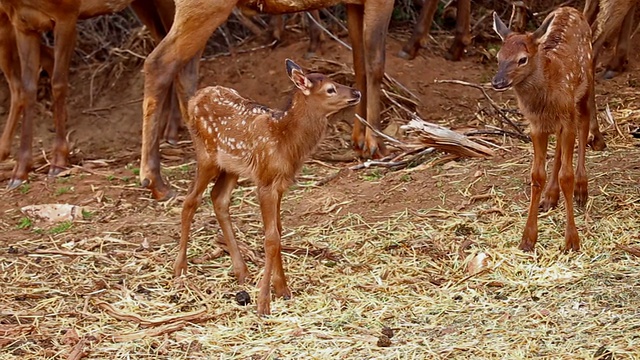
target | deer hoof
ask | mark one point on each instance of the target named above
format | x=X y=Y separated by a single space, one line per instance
x=527 y=246
x=572 y=245
x=284 y=293
x=309 y=55
x=548 y=203
x=55 y=170
x=14 y=183
x=264 y=307
x=581 y=195
x=609 y=74
x=402 y=54
x=598 y=143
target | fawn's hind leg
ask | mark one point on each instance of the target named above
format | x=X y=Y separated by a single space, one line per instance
x=581 y=192
x=551 y=192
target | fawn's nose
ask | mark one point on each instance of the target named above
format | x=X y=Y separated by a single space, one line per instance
x=356 y=94
x=500 y=82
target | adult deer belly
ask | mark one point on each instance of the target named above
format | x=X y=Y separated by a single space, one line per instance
x=92 y=8
x=288 y=6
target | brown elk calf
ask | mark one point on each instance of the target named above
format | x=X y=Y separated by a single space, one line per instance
x=233 y=137
x=551 y=72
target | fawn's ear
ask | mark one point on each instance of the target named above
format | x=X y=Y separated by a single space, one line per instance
x=499 y=27
x=298 y=77
x=542 y=30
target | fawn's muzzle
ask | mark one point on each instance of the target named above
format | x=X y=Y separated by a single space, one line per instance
x=500 y=83
x=356 y=97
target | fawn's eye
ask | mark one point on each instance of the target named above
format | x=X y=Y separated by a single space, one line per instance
x=331 y=90
x=523 y=60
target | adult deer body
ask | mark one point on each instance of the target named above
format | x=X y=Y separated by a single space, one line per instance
x=552 y=75
x=31 y=18
x=421 y=30
x=233 y=137
x=195 y=20
x=612 y=21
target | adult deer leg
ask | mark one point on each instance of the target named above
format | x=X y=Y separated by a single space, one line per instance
x=538 y=178
x=618 y=62
x=315 y=35
x=29 y=51
x=183 y=42
x=65 y=40
x=268 y=197
x=354 y=24
x=377 y=16
x=157 y=16
x=566 y=178
x=221 y=199
x=276 y=23
x=205 y=172
x=10 y=66
x=462 y=38
x=420 y=31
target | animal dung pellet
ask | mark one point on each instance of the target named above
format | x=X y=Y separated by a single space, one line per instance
x=243 y=298
x=384 y=341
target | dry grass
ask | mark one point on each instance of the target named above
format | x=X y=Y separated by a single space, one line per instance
x=103 y=287
x=350 y=278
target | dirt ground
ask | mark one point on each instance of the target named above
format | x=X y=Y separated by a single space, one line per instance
x=370 y=248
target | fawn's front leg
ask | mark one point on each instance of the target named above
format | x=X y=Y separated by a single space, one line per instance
x=538 y=178
x=566 y=178
x=269 y=197
x=221 y=199
x=204 y=173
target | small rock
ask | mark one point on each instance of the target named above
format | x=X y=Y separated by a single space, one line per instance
x=387 y=331
x=384 y=341
x=478 y=263
x=243 y=298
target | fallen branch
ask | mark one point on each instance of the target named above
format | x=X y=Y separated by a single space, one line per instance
x=148 y=333
x=117 y=314
x=78 y=351
x=440 y=137
x=631 y=250
x=392 y=164
x=521 y=134
x=380 y=133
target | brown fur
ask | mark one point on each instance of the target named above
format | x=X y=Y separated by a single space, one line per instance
x=10 y=66
x=555 y=91
x=29 y=19
x=421 y=29
x=233 y=137
x=178 y=54
x=612 y=22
